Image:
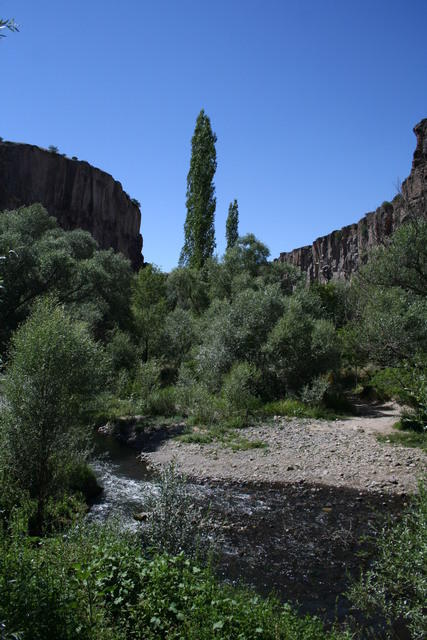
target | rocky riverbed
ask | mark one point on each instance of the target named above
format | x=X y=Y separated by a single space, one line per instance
x=297 y=518
x=341 y=453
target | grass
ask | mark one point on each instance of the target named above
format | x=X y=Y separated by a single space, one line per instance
x=292 y=408
x=405 y=438
x=222 y=434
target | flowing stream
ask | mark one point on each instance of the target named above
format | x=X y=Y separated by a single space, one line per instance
x=301 y=542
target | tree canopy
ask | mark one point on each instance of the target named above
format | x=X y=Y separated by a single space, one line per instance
x=232 y=225
x=199 y=232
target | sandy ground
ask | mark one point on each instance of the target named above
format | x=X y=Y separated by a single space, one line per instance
x=340 y=453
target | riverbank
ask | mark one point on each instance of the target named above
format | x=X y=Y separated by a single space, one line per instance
x=297 y=517
x=341 y=454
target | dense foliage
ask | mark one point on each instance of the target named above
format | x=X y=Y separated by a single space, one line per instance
x=232 y=224
x=43 y=259
x=389 y=323
x=218 y=342
x=55 y=371
x=396 y=584
x=199 y=231
x=96 y=583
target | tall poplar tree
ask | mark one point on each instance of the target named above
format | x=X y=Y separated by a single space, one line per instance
x=232 y=225
x=199 y=232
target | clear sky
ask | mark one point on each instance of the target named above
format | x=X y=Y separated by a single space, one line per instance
x=313 y=103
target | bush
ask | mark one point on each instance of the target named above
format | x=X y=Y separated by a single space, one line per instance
x=407 y=384
x=395 y=586
x=121 y=351
x=175 y=521
x=54 y=373
x=95 y=584
x=314 y=393
x=202 y=406
x=147 y=380
x=162 y=402
x=236 y=332
x=82 y=479
x=238 y=391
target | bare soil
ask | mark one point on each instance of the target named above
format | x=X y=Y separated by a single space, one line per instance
x=342 y=453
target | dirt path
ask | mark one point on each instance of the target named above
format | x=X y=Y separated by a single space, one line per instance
x=340 y=453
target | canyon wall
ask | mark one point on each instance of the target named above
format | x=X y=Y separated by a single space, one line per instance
x=339 y=254
x=78 y=195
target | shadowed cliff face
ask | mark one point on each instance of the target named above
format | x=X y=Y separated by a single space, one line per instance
x=77 y=194
x=338 y=255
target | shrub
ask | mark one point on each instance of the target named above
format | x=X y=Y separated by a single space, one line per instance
x=53 y=149
x=179 y=335
x=236 y=332
x=395 y=585
x=147 y=380
x=239 y=389
x=407 y=384
x=203 y=407
x=314 y=393
x=175 y=521
x=162 y=402
x=121 y=351
x=82 y=479
x=96 y=584
x=55 y=371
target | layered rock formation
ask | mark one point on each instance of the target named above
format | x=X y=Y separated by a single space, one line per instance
x=77 y=194
x=339 y=254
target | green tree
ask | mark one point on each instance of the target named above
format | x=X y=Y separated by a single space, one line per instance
x=199 y=232
x=232 y=225
x=44 y=259
x=187 y=289
x=54 y=373
x=389 y=327
x=149 y=308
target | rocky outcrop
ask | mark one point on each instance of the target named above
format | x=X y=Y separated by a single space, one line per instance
x=339 y=254
x=78 y=195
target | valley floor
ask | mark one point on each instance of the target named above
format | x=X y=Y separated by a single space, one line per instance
x=341 y=453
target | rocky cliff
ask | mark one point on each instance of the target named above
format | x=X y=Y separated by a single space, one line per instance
x=339 y=254
x=77 y=194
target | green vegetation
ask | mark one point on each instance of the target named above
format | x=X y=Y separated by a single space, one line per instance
x=220 y=342
x=226 y=435
x=293 y=408
x=97 y=583
x=396 y=584
x=387 y=328
x=232 y=225
x=199 y=232
x=42 y=259
x=54 y=372
x=406 y=437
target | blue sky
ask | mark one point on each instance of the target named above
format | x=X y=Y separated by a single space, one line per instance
x=313 y=103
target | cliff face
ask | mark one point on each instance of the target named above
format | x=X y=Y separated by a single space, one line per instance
x=77 y=194
x=338 y=255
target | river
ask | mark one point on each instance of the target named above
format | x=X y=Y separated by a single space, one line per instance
x=302 y=542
